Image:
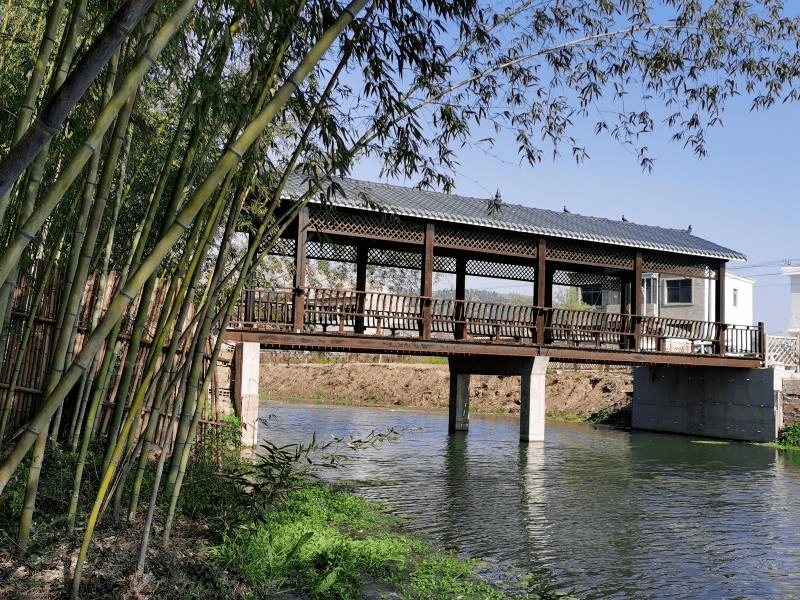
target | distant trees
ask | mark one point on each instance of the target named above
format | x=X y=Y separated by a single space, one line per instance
x=135 y=153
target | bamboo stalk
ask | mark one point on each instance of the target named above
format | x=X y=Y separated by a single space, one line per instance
x=162 y=248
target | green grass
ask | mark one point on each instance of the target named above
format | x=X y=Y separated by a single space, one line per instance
x=567 y=416
x=324 y=543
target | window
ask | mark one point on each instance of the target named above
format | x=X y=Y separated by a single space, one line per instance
x=592 y=295
x=679 y=291
x=735 y=297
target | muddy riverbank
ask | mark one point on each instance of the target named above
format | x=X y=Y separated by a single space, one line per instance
x=570 y=395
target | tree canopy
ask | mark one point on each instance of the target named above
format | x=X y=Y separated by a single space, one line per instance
x=136 y=138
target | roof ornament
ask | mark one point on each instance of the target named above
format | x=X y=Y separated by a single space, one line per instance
x=624 y=220
x=689 y=230
x=565 y=209
x=494 y=205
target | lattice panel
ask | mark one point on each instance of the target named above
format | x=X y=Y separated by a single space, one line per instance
x=329 y=251
x=783 y=351
x=480 y=268
x=576 y=279
x=589 y=254
x=368 y=225
x=677 y=264
x=282 y=247
x=394 y=258
x=485 y=240
x=444 y=264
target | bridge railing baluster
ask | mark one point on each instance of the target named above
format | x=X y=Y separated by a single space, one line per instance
x=383 y=313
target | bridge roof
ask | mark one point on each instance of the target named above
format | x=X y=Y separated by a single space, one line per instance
x=451 y=208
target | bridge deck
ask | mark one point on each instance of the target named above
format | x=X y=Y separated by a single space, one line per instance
x=355 y=321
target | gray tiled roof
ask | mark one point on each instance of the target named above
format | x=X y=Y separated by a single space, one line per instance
x=436 y=206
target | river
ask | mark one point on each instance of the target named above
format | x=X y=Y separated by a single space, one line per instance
x=604 y=513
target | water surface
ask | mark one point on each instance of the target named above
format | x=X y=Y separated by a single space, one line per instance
x=607 y=514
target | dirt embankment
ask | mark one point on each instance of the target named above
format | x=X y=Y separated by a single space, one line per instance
x=569 y=394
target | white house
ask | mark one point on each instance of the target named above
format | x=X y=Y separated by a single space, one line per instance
x=685 y=298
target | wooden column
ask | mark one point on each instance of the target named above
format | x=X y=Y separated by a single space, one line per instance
x=426 y=285
x=300 y=263
x=720 y=306
x=637 y=306
x=540 y=289
x=361 y=286
x=459 y=315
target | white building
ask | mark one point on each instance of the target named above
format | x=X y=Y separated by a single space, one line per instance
x=794 y=302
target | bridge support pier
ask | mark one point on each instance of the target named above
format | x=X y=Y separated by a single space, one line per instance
x=532 y=373
x=246 y=373
x=459 y=401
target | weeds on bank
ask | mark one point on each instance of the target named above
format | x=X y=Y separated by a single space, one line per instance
x=789 y=436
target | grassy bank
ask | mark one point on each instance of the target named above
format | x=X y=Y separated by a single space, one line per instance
x=258 y=528
x=324 y=543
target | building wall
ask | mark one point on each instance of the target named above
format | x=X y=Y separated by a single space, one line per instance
x=794 y=302
x=739 y=289
x=696 y=310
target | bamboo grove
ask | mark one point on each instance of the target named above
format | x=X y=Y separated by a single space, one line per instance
x=144 y=145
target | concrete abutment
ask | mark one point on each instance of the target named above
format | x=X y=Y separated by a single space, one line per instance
x=737 y=404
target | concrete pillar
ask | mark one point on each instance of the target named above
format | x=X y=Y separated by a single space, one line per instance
x=531 y=412
x=246 y=373
x=459 y=402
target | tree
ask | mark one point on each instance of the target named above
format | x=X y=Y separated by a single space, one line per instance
x=209 y=105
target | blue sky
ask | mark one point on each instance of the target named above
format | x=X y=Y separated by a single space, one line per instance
x=742 y=195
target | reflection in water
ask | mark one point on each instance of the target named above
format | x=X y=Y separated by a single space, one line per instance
x=607 y=514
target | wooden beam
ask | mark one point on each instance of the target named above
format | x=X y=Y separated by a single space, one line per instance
x=637 y=307
x=372 y=344
x=300 y=264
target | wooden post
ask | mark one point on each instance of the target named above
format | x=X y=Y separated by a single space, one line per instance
x=720 y=306
x=540 y=290
x=300 y=262
x=249 y=306
x=460 y=329
x=637 y=306
x=426 y=286
x=361 y=287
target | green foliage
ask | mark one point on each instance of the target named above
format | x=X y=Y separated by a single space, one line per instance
x=570 y=299
x=325 y=358
x=789 y=435
x=434 y=360
x=220 y=441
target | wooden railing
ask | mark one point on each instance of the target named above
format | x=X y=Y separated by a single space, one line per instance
x=386 y=314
